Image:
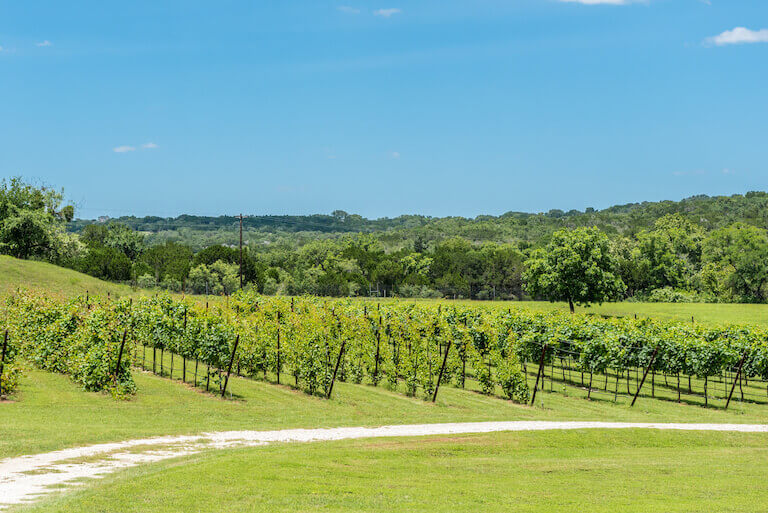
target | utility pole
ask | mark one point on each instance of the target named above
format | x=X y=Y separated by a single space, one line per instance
x=241 y=251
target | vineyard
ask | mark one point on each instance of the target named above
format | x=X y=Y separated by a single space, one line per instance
x=311 y=343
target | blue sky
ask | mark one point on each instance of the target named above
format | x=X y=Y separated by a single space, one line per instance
x=437 y=107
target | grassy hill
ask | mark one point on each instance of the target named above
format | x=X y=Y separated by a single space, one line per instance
x=15 y=273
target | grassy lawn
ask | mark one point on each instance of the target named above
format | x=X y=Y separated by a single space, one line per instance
x=595 y=471
x=50 y=412
x=707 y=313
x=15 y=273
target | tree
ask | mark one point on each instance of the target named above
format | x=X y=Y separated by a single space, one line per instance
x=106 y=263
x=32 y=219
x=218 y=278
x=575 y=267
x=741 y=251
x=169 y=260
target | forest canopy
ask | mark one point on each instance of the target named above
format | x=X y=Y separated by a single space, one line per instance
x=698 y=249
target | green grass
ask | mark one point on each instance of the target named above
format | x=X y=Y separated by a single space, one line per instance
x=50 y=412
x=15 y=273
x=596 y=471
x=30 y=274
x=706 y=313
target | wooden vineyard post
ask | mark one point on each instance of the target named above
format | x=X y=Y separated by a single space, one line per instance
x=442 y=370
x=376 y=362
x=738 y=374
x=464 y=357
x=2 y=360
x=645 y=375
x=336 y=369
x=184 y=358
x=538 y=374
x=120 y=355
x=229 y=369
x=278 y=348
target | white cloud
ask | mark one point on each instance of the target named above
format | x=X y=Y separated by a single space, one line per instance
x=149 y=146
x=43 y=43
x=600 y=2
x=348 y=9
x=386 y=13
x=123 y=149
x=739 y=35
x=1 y=48
x=697 y=172
x=395 y=154
x=727 y=171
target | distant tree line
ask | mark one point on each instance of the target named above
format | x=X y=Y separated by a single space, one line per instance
x=643 y=251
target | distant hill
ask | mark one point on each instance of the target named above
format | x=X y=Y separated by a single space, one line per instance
x=710 y=212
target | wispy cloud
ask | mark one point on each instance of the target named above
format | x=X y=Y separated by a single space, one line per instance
x=697 y=172
x=738 y=36
x=600 y=2
x=348 y=9
x=149 y=146
x=727 y=171
x=387 y=13
x=123 y=149
x=43 y=43
x=395 y=155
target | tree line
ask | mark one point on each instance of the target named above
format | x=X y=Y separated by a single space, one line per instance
x=675 y=258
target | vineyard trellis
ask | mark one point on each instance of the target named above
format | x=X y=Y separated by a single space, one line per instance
x=412 y=348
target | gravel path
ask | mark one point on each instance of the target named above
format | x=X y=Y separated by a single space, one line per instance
x=26 y=478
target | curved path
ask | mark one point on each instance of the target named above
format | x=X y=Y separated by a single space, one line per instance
x=26 y=478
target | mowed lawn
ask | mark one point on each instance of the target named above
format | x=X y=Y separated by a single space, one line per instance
x=48 y=278
x=591 y=471
x=50 y=412
x=705 y=313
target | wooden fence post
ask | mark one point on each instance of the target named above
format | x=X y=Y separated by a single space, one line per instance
x=538 y=374
x=376 y=362
x=2 y=360
x=442 y=370
x=277 y=368
x=738 y=374
x=120 y=355
x=336 y=369
x=645 y=375
x=229 y=369
x=184 y=358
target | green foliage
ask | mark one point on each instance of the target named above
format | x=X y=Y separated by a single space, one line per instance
x=169 y=260
x=106 y=263
x=10 y=371
x=218 y=278
x=741 y=251
x=31 y=220
x=74 y=338
x=577 y=267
